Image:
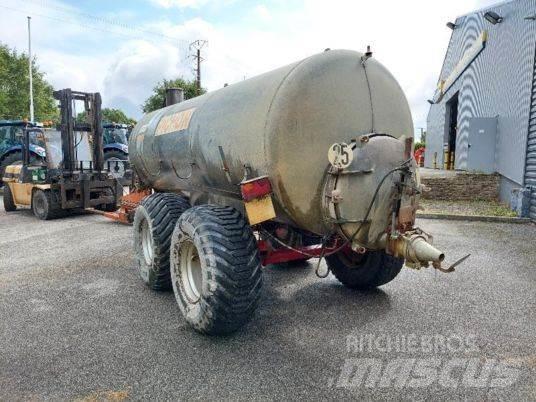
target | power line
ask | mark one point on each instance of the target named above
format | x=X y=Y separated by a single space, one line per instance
x=107 y=21
x=168 y=39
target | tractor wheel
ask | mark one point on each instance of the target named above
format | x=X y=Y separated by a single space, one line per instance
x=215 y=269
x=45 y=206
x=117 y=165
x=9 y=202
x=364 y=271
x=154 y=222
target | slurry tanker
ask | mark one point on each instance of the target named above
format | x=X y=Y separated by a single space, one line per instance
x=312 y=160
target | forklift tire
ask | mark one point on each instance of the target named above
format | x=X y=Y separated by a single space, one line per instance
x=9 y=203
x=364 y=271
x=215 y=269
x=45 y=206
x=154 y=222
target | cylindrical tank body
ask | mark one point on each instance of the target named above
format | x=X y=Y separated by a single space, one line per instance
x=280 y=124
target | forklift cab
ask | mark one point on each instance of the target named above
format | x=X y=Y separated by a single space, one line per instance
x=72 y=175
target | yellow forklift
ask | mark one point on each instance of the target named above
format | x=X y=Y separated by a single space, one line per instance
x=72 y=175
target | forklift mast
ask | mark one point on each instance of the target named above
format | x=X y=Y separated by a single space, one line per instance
x=69 y=125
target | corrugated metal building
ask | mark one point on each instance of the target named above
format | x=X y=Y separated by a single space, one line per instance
x=484 y=113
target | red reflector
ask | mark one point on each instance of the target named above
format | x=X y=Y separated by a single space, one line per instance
x=255 y=188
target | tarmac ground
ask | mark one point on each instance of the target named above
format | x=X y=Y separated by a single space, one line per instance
x=76 y=323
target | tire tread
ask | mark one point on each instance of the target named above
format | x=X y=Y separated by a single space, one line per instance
x=230 y=245
x=163 y=209
x=377 y=270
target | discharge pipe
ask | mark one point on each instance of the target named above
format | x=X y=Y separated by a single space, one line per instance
x=416 y=247
x=419 y=250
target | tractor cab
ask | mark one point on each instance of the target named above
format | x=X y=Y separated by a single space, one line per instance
x=115 y=147
x=114 y=133
x=11 y=139
x=71 y=175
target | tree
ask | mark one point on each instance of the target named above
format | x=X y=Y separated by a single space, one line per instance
x=116 y=116
x=157 y=99
x=15 y=84
x=109 y=115
x=419 y=145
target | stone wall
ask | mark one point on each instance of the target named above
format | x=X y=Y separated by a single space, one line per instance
x=462 y=186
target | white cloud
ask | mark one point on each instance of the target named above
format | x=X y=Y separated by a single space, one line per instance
x=262 y=12
x=180 y=3
x=409 y=38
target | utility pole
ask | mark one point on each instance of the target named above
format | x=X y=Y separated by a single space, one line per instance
x=30 y=70
x=197 y=46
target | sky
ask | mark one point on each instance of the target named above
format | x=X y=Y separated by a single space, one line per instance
x=123 y=48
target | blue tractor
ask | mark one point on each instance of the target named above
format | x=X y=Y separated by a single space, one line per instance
x=115 y=141
x=11 y=137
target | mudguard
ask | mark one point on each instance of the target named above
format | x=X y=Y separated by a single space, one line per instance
x=34 y=149
x=116 y=146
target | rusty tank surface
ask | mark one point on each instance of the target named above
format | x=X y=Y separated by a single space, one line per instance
x=325 y=147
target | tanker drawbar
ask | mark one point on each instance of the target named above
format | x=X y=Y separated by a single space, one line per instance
x=312 y=160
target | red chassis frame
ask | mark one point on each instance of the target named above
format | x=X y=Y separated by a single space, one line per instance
x=270 y=255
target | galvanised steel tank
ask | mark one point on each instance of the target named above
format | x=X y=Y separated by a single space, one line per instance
x=281 y=124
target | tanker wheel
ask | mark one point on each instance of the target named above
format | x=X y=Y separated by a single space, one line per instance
x=154 y=222
x=9 y=202
x=45 y=205
x=364 y=271
x=215 y=269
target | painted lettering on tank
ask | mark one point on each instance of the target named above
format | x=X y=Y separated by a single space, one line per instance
x=174 y=122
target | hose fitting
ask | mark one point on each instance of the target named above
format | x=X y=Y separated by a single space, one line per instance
x=415 y=246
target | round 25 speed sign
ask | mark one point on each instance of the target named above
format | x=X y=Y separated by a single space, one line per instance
x=340 y=155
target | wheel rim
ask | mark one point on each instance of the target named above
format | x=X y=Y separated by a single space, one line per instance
x=116 y=169
x=147 y=242
x=191 y=274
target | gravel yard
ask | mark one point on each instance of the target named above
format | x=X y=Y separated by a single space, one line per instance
x=482 y=208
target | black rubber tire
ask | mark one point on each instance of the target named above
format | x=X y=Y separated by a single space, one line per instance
x=374 y=269
x=45 y=205
x=9 y=202
x=231 y=276
x=160 y=212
